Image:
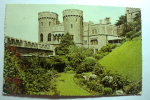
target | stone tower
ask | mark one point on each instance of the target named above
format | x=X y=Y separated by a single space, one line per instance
x=73 y=24
x=46 y=22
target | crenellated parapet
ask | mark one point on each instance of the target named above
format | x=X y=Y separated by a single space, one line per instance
x=10 y=41
x=47 y=15
x=73 y=12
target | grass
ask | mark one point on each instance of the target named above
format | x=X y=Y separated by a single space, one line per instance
x=67 y=87
x=126 y=59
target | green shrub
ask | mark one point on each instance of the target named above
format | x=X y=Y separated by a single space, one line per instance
x=77 y=55
x=100 y=55
x=86 y=66
x=108 y=91
x=98 y=70
x=78 y=76
x=99 y=88
x=68 y=68
x=12 y=76
x=137 y=34
x=92 y=85
x=133 y=88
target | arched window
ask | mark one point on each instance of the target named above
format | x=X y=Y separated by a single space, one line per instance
x=41 y=37
x=49 y=37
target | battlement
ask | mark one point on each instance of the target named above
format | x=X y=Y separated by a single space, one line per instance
x=72 y=12
x=47 y=15
x=25 y=44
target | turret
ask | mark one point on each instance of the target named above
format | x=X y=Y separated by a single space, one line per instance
x=46 y=22
x=73 y=24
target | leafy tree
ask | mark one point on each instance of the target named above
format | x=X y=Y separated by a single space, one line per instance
x=137 y=20
x=122 y=20
x=66 y=41
x=76 y=55
x=134 y=26
x=87 y=65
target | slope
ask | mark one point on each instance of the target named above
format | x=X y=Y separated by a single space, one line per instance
x=126 y=59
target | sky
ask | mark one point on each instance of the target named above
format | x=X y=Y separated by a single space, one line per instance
x=21 y=20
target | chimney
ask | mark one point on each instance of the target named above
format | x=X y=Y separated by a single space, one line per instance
x=107 y=20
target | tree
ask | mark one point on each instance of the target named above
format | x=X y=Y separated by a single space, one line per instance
x=76 y=55
x=66 y=41
x=122 y=20
x=137 y=21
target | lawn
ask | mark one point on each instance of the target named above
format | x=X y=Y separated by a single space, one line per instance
x=67 y=87
x=126 y=59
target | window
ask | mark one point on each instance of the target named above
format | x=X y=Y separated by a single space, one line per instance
x=49 y=37
x=41 y=37
x=49 y=23
x=95 y=31
x=94 y=42
x=71 y=26
x=92 y=31
x=42 y=23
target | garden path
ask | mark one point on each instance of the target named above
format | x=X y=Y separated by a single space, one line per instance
x=67 y=87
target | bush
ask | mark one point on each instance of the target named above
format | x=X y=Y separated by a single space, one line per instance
x=78 y=76
x=87 y=65
x=101 y=55
x=99 y=88
x=105 y=50
x=137 y=34
x=133 y=88
x=133 y=34
x=108 y=91
x=68 y=68
x=12 y=76
x=77 y=55
x=98 y=70
x=92 y=85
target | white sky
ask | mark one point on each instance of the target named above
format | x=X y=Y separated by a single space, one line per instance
x=22 y=20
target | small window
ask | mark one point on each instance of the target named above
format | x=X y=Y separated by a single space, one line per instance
x=49 y=37
x=71 y=26
x=49 y=23
x=42 y=23
x=93 y=31
x=41 y=37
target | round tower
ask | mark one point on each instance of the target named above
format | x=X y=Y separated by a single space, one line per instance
x=46 y=22
x=73 y=24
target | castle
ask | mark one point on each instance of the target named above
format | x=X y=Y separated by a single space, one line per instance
x=86 y=34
